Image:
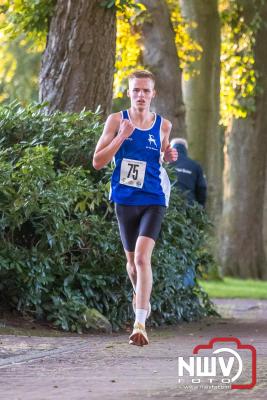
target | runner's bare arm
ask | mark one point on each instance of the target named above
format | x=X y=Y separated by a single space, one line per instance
x=109 y=143
x=169 y=154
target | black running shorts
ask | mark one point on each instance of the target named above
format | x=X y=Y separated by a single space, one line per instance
x=137 y=221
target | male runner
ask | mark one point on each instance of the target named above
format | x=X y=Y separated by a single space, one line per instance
x=138 y=140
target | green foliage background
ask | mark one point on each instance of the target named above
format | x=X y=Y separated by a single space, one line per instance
x=59 y=246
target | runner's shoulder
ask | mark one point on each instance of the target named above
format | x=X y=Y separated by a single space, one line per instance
x=113 y=122
x=114 y=117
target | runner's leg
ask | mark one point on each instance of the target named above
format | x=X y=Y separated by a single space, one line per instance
x=143 y=252
x=148 y=232
x=131 y=268
x=128 y=220
x=142 y=259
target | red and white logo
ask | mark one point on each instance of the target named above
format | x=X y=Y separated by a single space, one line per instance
x=225 y=361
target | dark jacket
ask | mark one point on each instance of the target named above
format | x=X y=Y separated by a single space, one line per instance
x=190 y=178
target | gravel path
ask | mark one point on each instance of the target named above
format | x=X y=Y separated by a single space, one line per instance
x=90 y=367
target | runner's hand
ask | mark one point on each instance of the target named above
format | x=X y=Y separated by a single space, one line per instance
x=170 y=154
x=126 y=128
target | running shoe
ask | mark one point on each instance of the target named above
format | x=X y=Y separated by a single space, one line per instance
x=139 y=335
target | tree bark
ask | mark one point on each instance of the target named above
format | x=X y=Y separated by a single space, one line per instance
x=202 y=98
x=78 y=63
x=265 y=217
x=160 y=57
x=245 y=177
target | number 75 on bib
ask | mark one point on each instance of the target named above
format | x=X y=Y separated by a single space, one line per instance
x=132 y=173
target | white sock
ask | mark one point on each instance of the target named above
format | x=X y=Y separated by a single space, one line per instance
x=140 y=316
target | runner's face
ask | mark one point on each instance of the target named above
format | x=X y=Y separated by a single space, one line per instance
x=141 y=92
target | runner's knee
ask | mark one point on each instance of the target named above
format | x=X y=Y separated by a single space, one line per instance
x=141 y=261
x=131 y=267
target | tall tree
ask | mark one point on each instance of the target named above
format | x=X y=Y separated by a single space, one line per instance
x=201 y=96
x=242 y=248
x=265 y=217
x=78 y=62
x=160 y=56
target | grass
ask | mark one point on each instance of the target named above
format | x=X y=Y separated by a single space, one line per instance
x=236 y=288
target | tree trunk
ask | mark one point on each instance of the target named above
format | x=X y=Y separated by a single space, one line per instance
x=202 y=98
x=265 y=217
x=242 y=240
x=160 y=56
x=78 y=63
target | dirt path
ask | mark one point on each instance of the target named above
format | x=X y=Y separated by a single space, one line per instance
x=89 y=367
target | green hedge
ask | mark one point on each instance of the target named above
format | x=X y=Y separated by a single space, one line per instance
x=59 y=247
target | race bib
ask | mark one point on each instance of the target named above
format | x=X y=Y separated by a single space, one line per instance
x=132 y=172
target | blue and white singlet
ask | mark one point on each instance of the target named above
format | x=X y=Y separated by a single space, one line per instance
x=138 y=177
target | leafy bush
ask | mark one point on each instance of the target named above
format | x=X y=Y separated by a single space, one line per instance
x=59 y=246
x=181 y=257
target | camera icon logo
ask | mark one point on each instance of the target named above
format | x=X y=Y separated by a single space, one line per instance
x=225 y=364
